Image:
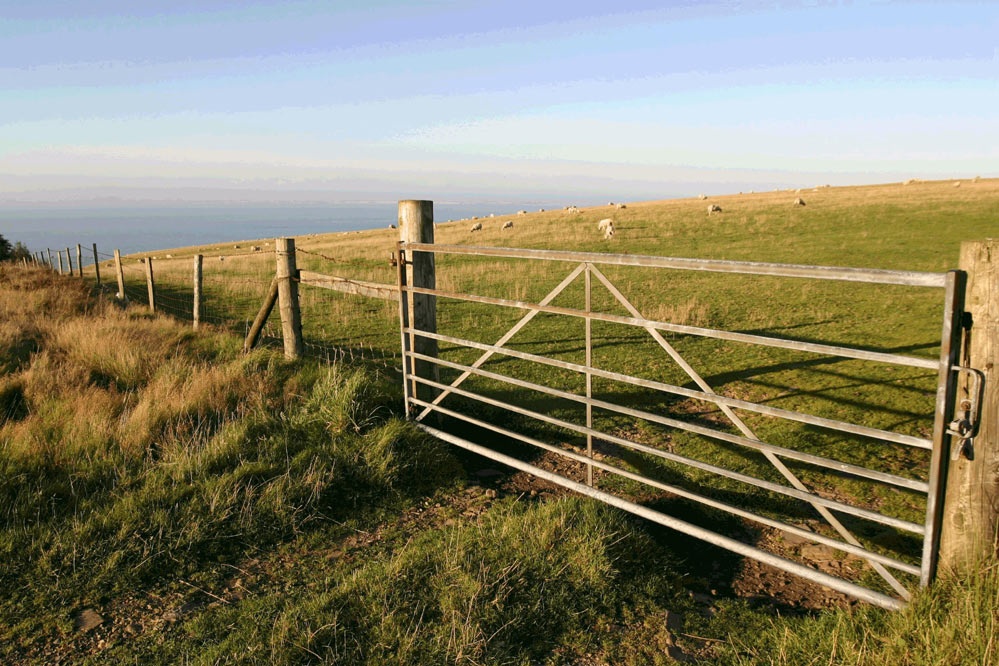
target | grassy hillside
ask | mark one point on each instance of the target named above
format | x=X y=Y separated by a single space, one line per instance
x=167 y=499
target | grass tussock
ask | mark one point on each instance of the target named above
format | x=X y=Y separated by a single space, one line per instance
x=954 y=622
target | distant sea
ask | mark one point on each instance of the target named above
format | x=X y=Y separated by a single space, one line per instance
x=150 y=227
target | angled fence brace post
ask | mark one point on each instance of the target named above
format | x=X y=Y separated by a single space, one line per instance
x=97 y=266
x=69 y=263
x=121 y=274
x=253 y=336
x=416 y=225
x=971 y=506
x=291 y=314
x=51 y=264
x=79 y=259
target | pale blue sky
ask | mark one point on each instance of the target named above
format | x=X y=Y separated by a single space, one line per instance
x=489 y=100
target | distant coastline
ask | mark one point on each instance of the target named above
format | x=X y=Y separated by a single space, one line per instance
x=146 y=227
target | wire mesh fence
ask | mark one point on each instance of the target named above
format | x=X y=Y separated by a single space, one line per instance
x=234 y=282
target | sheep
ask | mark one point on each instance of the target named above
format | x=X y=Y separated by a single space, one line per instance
x=235 y=247
x=221 y=258
x=799 y=202
x=714 y=208
x=571 y=209
x=702 y=197
x=609 y=230
x=169 y=256
x=621 y=206
x=507 y=225
x=521 y=212
x=255 y=248
x=391 y=226
x=604 y=223
x=476 y=227
x=957 y=184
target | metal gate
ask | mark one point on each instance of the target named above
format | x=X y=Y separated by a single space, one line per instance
x=430 y=403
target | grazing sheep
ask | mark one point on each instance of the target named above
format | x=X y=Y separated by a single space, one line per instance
x=169 y=256
x=571 y=209
x=255 y=248
x=957 y=184
x=604 y=223
x=476 y=227
x=221 y=258
x=142 y=260
x=235 y=247
x=507 y=225
x=702 y=197
x=541 y=210
x=621 y=206
x=609 y=231
x=391 y=226
x=714 y=208
x=799 y=202
x=521 y=212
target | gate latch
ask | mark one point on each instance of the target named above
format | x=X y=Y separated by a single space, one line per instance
x=965 y=429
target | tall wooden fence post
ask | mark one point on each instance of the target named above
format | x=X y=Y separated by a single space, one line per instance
x=69 y=263
x=150 y=284
x=51 y=264
x=416 y=225
x=79 y=259
x=291 y=314
x=971 y=505
x=97 y=266
x=59 y=254
x=121 y=274
x=198 y=283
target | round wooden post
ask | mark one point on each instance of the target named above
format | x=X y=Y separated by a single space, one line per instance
x=69 y=262
x=79 y=259
x=291 y=314
x=198 y=283
x=121 y=274
x=971 y=505
x=59 y=254
x=150 y=284
x=416 y=225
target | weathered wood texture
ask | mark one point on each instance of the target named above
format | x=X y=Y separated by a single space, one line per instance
x=971 y=505
x=120 y=273
x=291 y=314
x=387 y=292
x=198 y=284
x=69 y=263
x=416 y=225
x=253 y=336
x=79 y=259
x=150 y=284
x=59 y=254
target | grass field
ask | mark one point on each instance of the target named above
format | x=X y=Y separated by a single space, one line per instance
x=211 y=507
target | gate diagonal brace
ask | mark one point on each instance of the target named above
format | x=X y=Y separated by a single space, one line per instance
x=741 y=425
x=552 y=295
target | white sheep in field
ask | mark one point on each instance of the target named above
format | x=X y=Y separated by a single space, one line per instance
x=521 y=212
x=957 y=184
x=799 y=202
x=604 y=223
x=507 y=225
x=609 y=231
x=714 y=208
x=621 y=206
x=476 y=227
x=702 y=197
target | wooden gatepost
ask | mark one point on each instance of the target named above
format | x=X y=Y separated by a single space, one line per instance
x=416 y=225
x=970 y=526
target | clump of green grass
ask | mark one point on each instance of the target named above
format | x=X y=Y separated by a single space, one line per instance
x=953 y=622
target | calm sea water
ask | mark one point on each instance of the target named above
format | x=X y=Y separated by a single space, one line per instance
x=147 y=228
